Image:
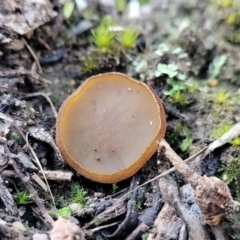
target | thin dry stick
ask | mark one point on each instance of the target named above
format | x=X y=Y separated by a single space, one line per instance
x=233 y=132
x=34 y=155
x=33 y=55
x=22 y=71
x=211 y=194
x=102 y=227
x=36 y=159
x=26 y=181
x=50 y=175
x=40 y=166
x=225 y=138
x=164 y=173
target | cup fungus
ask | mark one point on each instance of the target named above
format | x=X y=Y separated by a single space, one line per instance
x=109 y=127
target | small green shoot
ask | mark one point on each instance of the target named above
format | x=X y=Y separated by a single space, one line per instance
x=68 y=8
x=78 y=194
x=222 y=97
x=128 y=38
x=22 y=197
x=120 y=5
x=64 y=212
x=137 y=206
x=235 y=142
x=145 y=236
x=186 y=143
x=178 y=97
x=14 y=136
x=180 y=133
x=25 y=224
x=114 y=188
x=102 y=36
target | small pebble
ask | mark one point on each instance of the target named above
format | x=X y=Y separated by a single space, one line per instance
x=98 y=195
x=39 y=236
x=212 y=82
x=44 y=162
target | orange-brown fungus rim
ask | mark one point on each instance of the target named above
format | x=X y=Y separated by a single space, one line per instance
x=124 y=173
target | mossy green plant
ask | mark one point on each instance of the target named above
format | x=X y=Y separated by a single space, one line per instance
x=128 y=38
x=230 y=174
x=180 y=134
x=114 y=188
x=218 y=130
x=88 y=65
x=222 y=97
x=235 y=142
x=64 y=212
x=102 y=37
x=186 y=143
x=78 y=194
x=137 y=205
x=14 y=136
x=22 y=197
x=178 y=98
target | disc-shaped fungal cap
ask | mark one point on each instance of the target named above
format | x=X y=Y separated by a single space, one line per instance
x=109 y=127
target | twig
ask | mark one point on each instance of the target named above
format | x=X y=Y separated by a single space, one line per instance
x=165 y=173
x=141 y=228
x=33 y=55
x=40 y=166
x=227 y=137
x=35 y=159
x=22 y=71
x=170 y=195
x=91 y=231
x=51 y=175
x=211 y=194
x=37 y=200
x=42 y=41
x=40 y=182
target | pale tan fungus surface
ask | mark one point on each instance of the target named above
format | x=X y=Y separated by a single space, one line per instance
x=109 y=122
